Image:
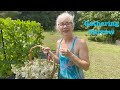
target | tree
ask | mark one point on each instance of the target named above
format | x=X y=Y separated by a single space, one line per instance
x=102 y=16
x=46 y=18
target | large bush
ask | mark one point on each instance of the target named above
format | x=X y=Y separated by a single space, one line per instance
x=16 y=38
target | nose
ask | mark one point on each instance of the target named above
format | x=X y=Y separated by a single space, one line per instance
x=64 y=25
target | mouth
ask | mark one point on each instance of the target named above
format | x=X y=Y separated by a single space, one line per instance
x=65 y=31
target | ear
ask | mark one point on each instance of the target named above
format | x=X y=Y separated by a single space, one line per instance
x=72 y=28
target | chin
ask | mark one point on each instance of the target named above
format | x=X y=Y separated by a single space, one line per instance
x=66 y=34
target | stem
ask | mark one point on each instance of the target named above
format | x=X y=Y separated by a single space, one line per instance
x=3 y=45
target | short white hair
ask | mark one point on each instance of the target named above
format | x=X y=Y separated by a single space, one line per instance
x=64 y=16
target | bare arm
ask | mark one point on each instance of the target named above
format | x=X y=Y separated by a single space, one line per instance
x=55 y=56
x=83 y=60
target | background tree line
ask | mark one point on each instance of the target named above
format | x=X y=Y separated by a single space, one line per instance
x=47 y=19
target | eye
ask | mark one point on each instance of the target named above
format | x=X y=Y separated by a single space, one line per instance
x=61 y=24
x=67 y=24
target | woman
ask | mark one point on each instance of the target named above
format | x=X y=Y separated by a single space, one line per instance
x=72 y=52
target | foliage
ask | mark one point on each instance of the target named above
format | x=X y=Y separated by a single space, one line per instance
x=102 y=16
x=11 y=14
x=46 y=18
x=18 y=36
x=98 y=38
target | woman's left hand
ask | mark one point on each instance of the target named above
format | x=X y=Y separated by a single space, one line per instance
x=65 y=52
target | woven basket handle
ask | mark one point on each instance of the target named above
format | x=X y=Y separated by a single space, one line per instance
x=40 y=46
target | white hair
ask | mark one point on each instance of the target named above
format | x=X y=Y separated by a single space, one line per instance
x=62 y=17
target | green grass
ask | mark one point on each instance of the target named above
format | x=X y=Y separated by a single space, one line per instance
x=50 y=39
x=104 y=58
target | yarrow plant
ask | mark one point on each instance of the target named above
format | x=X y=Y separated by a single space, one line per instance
x=38 y=69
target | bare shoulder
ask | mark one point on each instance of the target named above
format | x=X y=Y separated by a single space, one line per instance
x=82 y=45
x=81 y=41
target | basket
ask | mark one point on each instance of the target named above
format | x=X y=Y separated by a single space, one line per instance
x=51 y=61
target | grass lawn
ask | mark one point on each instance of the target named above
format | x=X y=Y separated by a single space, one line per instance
x=104 y=58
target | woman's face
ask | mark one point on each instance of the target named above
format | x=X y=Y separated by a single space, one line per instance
x=65 y=27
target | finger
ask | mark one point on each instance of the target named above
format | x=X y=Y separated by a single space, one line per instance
x=62 y=50
x=47 y=48
x=63 y=54
x=42 y=48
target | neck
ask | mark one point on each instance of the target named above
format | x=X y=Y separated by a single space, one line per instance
x=68 y=38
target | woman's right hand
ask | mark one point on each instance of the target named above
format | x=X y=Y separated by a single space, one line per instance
x=45 y=50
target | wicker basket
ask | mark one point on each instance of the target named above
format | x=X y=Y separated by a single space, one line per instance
x=51 y=61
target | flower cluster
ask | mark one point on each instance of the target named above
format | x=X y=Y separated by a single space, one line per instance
x=38 y=69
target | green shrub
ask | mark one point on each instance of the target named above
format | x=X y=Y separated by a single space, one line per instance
x=18 y=37
x=102 y=16
x=97 y=38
